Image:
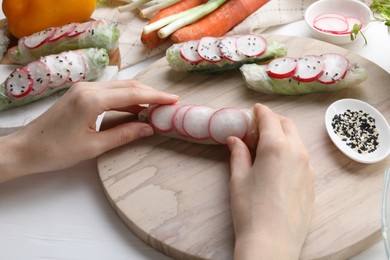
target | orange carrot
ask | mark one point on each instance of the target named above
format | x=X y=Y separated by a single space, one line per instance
x=219 y=22
x=152 y=40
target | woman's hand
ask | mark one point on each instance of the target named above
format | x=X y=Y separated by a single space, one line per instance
x=66 y=134
x=271 y=199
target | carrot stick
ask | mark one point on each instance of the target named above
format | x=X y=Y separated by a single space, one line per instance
x=219 y=22
x=152 y=39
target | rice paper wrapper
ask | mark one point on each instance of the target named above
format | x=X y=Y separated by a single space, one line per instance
x=132 y=50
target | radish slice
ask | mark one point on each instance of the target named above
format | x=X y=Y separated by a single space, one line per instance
x=62 y=31
x=189 y=52
x=59 y=69
x=336 y=67
x=330 y=15
x=37 y=39
x=18 y=83
x=80 y=28
x=229 y=50
x=161 y=117
x=77 y=66
x=282 y=67
x=227 y=122
x=40 y=75
x=251 y=45
x=331 y=24
x=208 y=49
x=309 y=68
x=196 y=121
x=178 y=119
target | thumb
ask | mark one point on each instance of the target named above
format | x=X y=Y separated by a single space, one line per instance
x=123 y=134
x=240 y=159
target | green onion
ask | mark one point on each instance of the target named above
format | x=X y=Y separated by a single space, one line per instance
x=191 y=16
x=157 y=7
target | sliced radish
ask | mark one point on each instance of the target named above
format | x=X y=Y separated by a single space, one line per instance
x=227 y=122
x=251 y=45
x=59 y=69
x=330 y=15
x=208 y=49
x=161 y=117
x=229 y=50
x=18 y=83
x=77 y=66
x=189 y=52
x=178 y=119
x=37 y=39
x=40 y=75
x=62 y=31
x=196 y=121
x=309 y=68
x=336 y=67
x=332 y=25
x=281 y=68
x=80 y=28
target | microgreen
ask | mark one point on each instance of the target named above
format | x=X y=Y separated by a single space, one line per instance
x=381 y=11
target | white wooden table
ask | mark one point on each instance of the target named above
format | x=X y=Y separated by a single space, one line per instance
x=65 y=215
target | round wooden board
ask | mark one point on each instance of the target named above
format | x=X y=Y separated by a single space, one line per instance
x=175 y=195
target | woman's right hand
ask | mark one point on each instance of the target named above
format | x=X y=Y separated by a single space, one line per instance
x=271 y=199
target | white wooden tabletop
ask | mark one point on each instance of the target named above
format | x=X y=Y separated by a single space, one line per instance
x=65 y=214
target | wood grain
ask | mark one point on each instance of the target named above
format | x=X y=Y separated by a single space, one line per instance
x=175 y=195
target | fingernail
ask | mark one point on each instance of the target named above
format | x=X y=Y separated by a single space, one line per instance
x=174 y=96
x=146 y=131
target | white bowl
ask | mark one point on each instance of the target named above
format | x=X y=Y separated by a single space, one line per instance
x=341 y=106
x=352 y=8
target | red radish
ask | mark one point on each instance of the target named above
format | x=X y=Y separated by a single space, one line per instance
x=336 y=67
x=331 y=24
x=208 y=49
x=251 y=45
x=202 y=124
x=309 y=68
x=62 y=31
x=77 y=66
x=281 y=68
x=40 y=75
x=330 y=15
x=228 y=122
x=178 y=119
x=196 y=121
x=161 y=117
x=189 y=52
x=80 y=28
x=58 y=72
x=18 y=83
x=37 y=39
x=229 y=50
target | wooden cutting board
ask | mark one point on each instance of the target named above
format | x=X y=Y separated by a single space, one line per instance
x=175 y=195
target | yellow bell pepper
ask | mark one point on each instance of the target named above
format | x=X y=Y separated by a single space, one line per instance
x=26 y=17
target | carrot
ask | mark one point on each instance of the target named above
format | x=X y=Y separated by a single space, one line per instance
x=219 y=22
x=152 y=39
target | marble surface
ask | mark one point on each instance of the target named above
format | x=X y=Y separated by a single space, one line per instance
x=65 y=214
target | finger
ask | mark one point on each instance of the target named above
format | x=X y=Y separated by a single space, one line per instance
x=121 y=98
x=240 y=159
x=268 y=121
x=130 y=83
x=292 y=133
x=120 y=135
